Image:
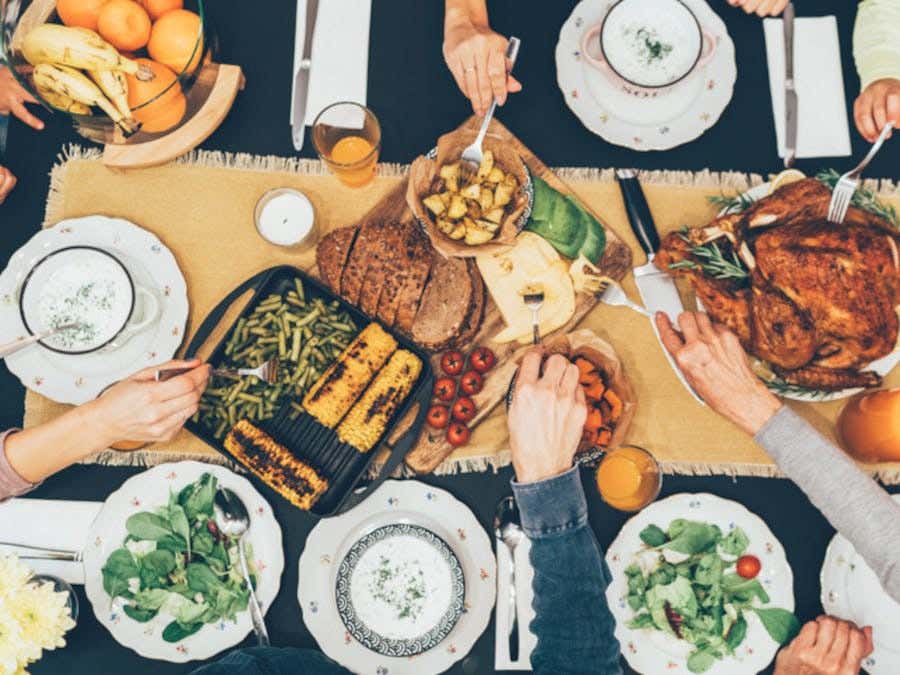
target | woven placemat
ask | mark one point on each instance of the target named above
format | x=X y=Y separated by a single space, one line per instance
x=201 y=207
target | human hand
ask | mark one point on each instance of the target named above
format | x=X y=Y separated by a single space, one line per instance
x=7 y=183
x=716 y=366
x=476 y=56
x=141 y=409
x=546 y=417
x=13 y=99
x=826 y=646
x=878 y=104
x=760 y=7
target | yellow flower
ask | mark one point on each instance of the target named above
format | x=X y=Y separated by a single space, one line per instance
x=10 y=642
x=13 y=575
x=43 y=616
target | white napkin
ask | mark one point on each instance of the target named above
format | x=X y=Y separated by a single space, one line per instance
x=822 y=129
x=339 y=57
x=525 y=595
x=50 y=523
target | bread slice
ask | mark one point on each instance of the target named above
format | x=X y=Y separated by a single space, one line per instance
x=357 y=265
x=382 y=263
x=413 y=261
x=332 y=253
x=412 y=288
x=445 y=304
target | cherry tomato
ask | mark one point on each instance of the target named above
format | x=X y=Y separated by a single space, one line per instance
x=457 y=434
x=471 y=383
x=452 y=362
x=482 y=360
x=464 y=409
x=444 y=389
x=438 y=416
x=748 y=566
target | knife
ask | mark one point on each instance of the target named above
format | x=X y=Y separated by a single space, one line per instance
x=790 y=91
x=306 y=26
x=657 y=288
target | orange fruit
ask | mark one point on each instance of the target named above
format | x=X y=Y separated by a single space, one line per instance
x=82 y=13
x=124 y=24
x=174 y=41
x=156 y=114
x=156 y=8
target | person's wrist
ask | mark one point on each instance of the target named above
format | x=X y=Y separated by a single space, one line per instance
x=760 y=408
x=94 y=420
x=527 y=473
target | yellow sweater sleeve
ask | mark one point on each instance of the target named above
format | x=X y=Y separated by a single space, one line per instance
x=876 y=40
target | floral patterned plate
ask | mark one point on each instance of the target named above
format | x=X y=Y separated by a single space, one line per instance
x=666 y=120
x=146 y=491
x=410 y=506
x=77 y=378
x=651 y=651
x=851 y=591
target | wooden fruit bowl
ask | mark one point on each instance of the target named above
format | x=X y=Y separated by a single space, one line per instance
x=210 y=92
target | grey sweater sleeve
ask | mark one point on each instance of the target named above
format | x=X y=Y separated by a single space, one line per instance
x=854 y=504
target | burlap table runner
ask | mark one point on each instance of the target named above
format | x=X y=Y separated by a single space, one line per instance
x=202 y=208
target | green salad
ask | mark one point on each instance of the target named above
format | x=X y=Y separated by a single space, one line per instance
x=174 y=561
x=697 y=584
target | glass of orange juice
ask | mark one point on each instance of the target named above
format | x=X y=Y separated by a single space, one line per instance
x=628 y=478
x=347 y=137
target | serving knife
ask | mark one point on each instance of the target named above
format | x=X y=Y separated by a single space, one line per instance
x=790 y=91
x=306 y=26
x=657 y=288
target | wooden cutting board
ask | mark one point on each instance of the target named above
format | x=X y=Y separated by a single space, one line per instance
x=432 y=448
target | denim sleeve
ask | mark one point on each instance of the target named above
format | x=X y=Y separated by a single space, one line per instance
x=273 y=661
x=573 y=624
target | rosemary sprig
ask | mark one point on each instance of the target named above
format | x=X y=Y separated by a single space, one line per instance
x=732 y=203
x=863 y=199
x=713 y=261
x=781 y=388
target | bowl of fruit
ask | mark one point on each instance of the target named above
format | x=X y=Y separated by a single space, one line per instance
x=128 y=72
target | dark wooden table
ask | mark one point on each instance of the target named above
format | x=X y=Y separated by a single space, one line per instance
x=416 y=100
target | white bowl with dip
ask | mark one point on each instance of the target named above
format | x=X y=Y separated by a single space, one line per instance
x=285 y=217
x=90 y=287
x=648 y=46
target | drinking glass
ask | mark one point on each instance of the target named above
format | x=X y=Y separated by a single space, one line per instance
x=629 y=478
x=347 y=137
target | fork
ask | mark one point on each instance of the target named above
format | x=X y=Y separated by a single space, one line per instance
x=43 y=553
x=846 y=186
x=614 y=295
x=534 y=301
x=267 y=372
x=472 y=156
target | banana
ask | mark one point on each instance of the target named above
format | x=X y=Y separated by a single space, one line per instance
x=75 y=85
x=63 y=102
x=115 y=86
x=77 y=48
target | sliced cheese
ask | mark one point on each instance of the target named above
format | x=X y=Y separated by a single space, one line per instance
x=531 y=262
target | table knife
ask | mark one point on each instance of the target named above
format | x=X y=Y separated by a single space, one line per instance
x=790 y=91
x=657 y=288
x=306 y=26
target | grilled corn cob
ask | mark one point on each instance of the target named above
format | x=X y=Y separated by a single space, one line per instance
x=334 y=394
x=293 y=479
x=367 y=420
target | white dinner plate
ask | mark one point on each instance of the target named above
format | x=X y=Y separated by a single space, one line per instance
x=671 y=118
x=145 y=492
x=396 y=503
x=652 y=652
x=78 y=378
x=851 y=591
x=882 y=366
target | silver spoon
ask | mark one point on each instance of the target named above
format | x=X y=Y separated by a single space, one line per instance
x=508 y=530
x=11 y=348
x=233 y=520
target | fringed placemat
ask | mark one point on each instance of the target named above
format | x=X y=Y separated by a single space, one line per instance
x=201 y=206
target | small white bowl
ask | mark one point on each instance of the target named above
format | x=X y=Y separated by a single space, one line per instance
x=285 y=217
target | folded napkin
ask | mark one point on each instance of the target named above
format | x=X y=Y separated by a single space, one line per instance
x=339 y=56
x=525 y=595
x=822 y=129
x=49 y=523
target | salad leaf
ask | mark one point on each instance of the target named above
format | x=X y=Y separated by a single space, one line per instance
x=736 y=634
x=709 y=570
x=176 y=632
x=643 y=620
x=694 y=537
x=735 y=542
x=701 y=660
x=197 y=498
x=180 y=526
x=781 y=624
x=679 y=595
x=158 y=563
x=146 y=525
x=744 y=590
x=119 y=568
x=138 y=614
x=152 y=598
x=652 y=535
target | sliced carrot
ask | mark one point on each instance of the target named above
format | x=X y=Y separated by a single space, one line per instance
x=594 y=419
x=615 y=403
x=584 y=366
x=604 y=436
x=594 y=391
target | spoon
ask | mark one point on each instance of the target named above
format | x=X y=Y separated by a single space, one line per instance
x=233 y=520
x=508 y=529
x=11 y=348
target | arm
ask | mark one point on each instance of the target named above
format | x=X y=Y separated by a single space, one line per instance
x=573 y=624
x=476 y=55
x=715 y=364
x=7 y=183
x=13 y=99
x=136 y=409
x=876 y=49
x=760 y=7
